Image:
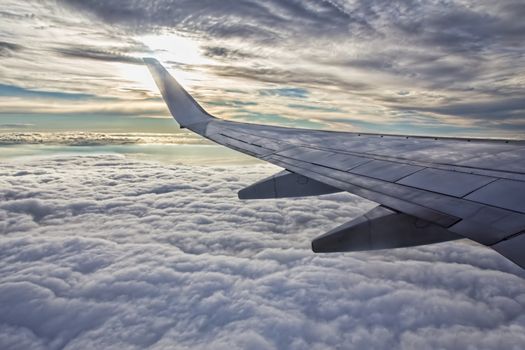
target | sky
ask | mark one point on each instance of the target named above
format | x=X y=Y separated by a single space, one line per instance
x=416 y=67
x=108 y=252
x=118 y=230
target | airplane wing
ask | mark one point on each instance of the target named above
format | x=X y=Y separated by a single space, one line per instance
x=430 y=189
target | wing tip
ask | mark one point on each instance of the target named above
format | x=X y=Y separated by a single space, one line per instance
x=150 y=60
x=183 y=107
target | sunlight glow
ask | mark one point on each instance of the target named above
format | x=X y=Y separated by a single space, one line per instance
x=138 y=76
x=170 y=49
x=175 y=48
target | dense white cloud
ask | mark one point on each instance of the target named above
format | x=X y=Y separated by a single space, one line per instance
x=107 y=252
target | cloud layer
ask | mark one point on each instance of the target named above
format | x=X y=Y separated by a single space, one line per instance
x=92 y=138
x=432 y=67
x=107 y=252
x=429 y=58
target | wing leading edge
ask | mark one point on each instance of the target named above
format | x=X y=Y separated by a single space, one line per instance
x=430 y=189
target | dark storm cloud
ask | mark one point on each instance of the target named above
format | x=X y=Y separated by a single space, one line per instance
x=98 y=55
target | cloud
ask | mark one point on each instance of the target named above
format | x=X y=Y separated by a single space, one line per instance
x=247 y=19
x=7 y=48
x=286 y=92
x=367 y=49
x=315 y=108
x=489 y=110
x=451 y=27
x=354 y=55
x=276 y=119
x=93 y=138
x=225 y=53
x=108 y=252
x=16 y=91
x=98 y=55
x=15 y=126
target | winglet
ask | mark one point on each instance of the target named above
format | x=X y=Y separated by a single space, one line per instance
x=186 y=111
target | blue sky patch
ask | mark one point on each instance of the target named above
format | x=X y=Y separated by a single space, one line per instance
x=286 y=92
x=316 y=108
x=231 y=103
x=16 y=91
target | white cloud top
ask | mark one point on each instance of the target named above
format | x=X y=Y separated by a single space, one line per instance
x=107 y=252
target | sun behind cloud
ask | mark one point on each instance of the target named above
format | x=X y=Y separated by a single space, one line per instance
x=168 y=46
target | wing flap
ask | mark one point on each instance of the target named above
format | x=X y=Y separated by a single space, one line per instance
x=286 y=185
x=381 y=228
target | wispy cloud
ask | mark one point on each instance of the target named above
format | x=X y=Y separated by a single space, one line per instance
x=98 y=55
x=7 y=48
x=10 y=90
x=355 y=56
x=286 y=92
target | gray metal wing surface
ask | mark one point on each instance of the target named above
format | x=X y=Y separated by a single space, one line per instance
x=427 y=186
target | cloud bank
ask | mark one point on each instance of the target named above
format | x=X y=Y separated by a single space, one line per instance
x=107 y=252
x=92 y=138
